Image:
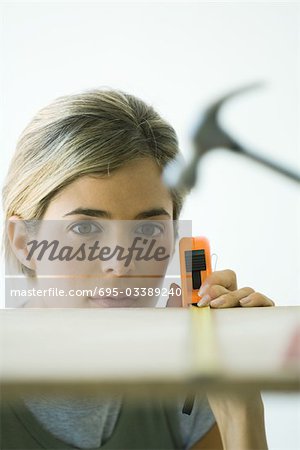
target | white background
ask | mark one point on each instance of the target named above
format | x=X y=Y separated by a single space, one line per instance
x=179 y=56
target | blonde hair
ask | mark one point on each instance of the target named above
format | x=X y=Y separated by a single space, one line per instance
x=94 y=132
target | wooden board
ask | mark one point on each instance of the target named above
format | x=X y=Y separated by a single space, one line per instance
x=147 y=348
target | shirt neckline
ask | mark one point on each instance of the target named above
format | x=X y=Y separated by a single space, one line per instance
x=44 y=437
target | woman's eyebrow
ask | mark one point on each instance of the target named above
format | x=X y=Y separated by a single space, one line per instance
x=105 y=214
x=152 y=213
x=89 y=212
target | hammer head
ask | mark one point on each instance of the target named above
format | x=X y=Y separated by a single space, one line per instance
x=209 y=134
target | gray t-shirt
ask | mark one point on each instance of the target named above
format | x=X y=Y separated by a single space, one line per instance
x=87 y=422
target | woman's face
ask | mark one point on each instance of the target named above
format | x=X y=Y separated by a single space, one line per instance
x=130 y=208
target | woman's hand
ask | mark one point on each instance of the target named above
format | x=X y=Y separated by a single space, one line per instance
x=220 y=291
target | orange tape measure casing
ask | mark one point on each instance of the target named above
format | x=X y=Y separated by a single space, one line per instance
x=195 y=267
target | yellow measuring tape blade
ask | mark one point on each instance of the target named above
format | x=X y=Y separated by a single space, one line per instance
x=205 y=358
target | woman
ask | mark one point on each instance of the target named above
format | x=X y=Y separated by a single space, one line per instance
x=84 y=162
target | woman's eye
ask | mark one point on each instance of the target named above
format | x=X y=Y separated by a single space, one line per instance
x=150 y=230
x=85 y=228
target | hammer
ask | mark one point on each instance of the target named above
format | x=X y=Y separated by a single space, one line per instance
x=208 y=136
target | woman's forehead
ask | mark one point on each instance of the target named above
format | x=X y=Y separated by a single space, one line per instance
x=125 y=193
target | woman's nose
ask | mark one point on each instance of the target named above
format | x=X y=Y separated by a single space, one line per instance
x=118 y=267
x=118 y=262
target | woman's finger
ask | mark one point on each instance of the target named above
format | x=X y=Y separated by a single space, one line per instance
x=211 y=293
x=256 y=299
x=231 y=299
x=225 y=278
x=174 y=301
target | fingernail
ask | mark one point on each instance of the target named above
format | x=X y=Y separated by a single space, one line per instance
x=202 y=290
x=204 y=300
x=217 y=302
x=245 y=300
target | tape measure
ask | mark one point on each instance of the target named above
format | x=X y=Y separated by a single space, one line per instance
x=203 y=337
x=195 y=267
x=203 y=349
